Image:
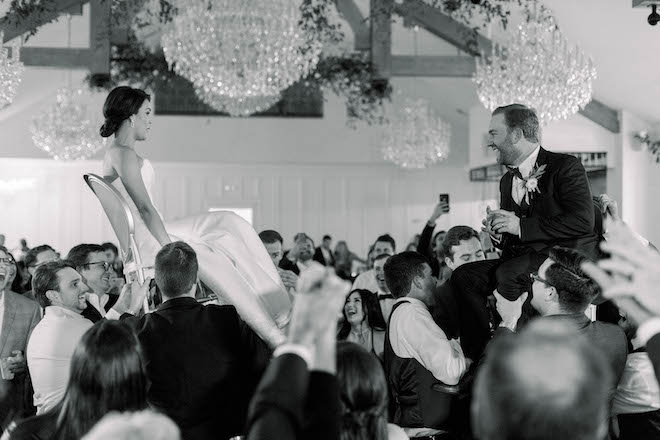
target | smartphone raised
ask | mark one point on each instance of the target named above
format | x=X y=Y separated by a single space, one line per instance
x=444 y=198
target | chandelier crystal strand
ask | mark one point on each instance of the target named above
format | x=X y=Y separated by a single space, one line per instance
x=415 y=137
x=69 y=129
x=240 y=49
x=238 y=107
x=11 y=72
x=537 y=67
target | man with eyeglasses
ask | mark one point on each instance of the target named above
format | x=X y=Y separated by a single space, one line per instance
x=562 y=292
x=92 y=263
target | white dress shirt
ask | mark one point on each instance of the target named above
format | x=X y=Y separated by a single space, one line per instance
x=386 y=304
x=518 y=189
x=2 y=310
x=326 y=255
x=366 y=280
x=414 y=334
x=49 y=354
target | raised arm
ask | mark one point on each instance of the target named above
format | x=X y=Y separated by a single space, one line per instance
x=127 y=165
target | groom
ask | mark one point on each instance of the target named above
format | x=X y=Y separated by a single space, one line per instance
x=545 y=201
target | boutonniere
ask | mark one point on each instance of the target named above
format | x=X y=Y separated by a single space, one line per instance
x=531 y=183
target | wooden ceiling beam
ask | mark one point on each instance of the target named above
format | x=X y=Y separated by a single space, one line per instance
x=351 y=13
x=459 y=35
x=14 y=26
x=99 y=41
x=381 y=37
x=55 y=57
x=433 y=66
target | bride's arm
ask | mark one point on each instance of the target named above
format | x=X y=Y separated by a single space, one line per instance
x=128 y=168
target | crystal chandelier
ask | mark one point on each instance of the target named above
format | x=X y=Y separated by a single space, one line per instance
x=536 y=67
x=415 y=137
x=240 y=48
x=241 y=106
x=11 y=71
x=69 y=129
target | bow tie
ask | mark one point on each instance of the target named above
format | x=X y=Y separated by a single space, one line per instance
x=516 y=172
x=385 y=296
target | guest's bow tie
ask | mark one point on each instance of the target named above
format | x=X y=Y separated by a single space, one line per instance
x=516 y=172
x=385 y=296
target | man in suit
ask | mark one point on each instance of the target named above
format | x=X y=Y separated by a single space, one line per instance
x=561 y=292
x=92 y=262
x=203 y=362
x=546 y=383
x=545 y=199
x=323 y=254
x=35 y=257
x=18 y=317
x=273 y=242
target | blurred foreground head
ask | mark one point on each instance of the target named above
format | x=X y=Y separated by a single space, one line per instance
x=545 y=383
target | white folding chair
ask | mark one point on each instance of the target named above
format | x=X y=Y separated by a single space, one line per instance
x=121 y=220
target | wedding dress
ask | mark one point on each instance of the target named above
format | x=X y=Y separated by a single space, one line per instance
x=232 y=262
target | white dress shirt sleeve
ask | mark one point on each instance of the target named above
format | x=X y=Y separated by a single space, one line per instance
x=419 y=337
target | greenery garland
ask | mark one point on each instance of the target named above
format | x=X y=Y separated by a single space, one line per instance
x=651 y=143
x=348 y=75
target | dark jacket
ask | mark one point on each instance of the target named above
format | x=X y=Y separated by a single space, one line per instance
x=204 y=364
x=560 y=214
x=292 y=403
x=318 y=256
x=287 y=264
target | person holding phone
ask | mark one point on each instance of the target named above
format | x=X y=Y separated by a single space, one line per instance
x=430 y=245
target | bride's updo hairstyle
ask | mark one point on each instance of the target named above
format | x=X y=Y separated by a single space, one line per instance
x=122 y=103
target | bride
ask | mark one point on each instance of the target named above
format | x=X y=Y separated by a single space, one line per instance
x=232 y=260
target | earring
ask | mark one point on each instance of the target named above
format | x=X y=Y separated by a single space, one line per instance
x=132 y=123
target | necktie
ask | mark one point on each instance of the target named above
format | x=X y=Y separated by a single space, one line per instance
x=516 y=172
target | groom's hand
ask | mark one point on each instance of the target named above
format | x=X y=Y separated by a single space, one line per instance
x=505 y=221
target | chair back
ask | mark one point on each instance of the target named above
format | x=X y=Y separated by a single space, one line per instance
x=121 y=220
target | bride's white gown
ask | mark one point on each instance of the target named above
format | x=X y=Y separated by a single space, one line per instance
x=232 y=262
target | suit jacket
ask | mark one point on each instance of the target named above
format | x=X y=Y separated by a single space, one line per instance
x=561 y=214
x=20 y=317
x=291 y=403
x=318 y=256
x=91 y=313
x=287 y=264
x=203 y=363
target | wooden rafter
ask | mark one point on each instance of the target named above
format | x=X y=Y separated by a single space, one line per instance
x=450 y=30
x=381 y=37
x=14 y=26
x=361 y=34
x=56 y=57
x=433 y=66
x=99 y=41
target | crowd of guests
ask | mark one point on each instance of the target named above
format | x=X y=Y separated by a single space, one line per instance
x=392 y=346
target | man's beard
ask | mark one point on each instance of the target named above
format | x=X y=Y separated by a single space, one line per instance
x=505 y=152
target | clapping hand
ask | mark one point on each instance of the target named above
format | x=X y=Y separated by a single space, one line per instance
x=631 y=276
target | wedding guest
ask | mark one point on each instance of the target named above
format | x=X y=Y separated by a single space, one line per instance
x=107 y=374
x=18 y=318
x=93 y=264
x=384 y=244
x=561 y=292
x=417 y=351
x=385 y=298
x=323 y=254
x=273 y=241
x=364 y=401
x=141 y=425
x=430 y=245
x=33 y=259
x=362 y=323
x=186 y=382
x=344 y=261
x=299 y=257
x=544 y=384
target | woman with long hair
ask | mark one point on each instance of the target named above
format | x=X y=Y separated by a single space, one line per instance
x=344 y=259
x=233 y=261
x=363 y=396
x=363 y=322
x=107 y=374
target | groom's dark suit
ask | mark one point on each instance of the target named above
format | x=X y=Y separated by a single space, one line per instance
x=560 y=214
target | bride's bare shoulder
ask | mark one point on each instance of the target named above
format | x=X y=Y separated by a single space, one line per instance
x=119 y=155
